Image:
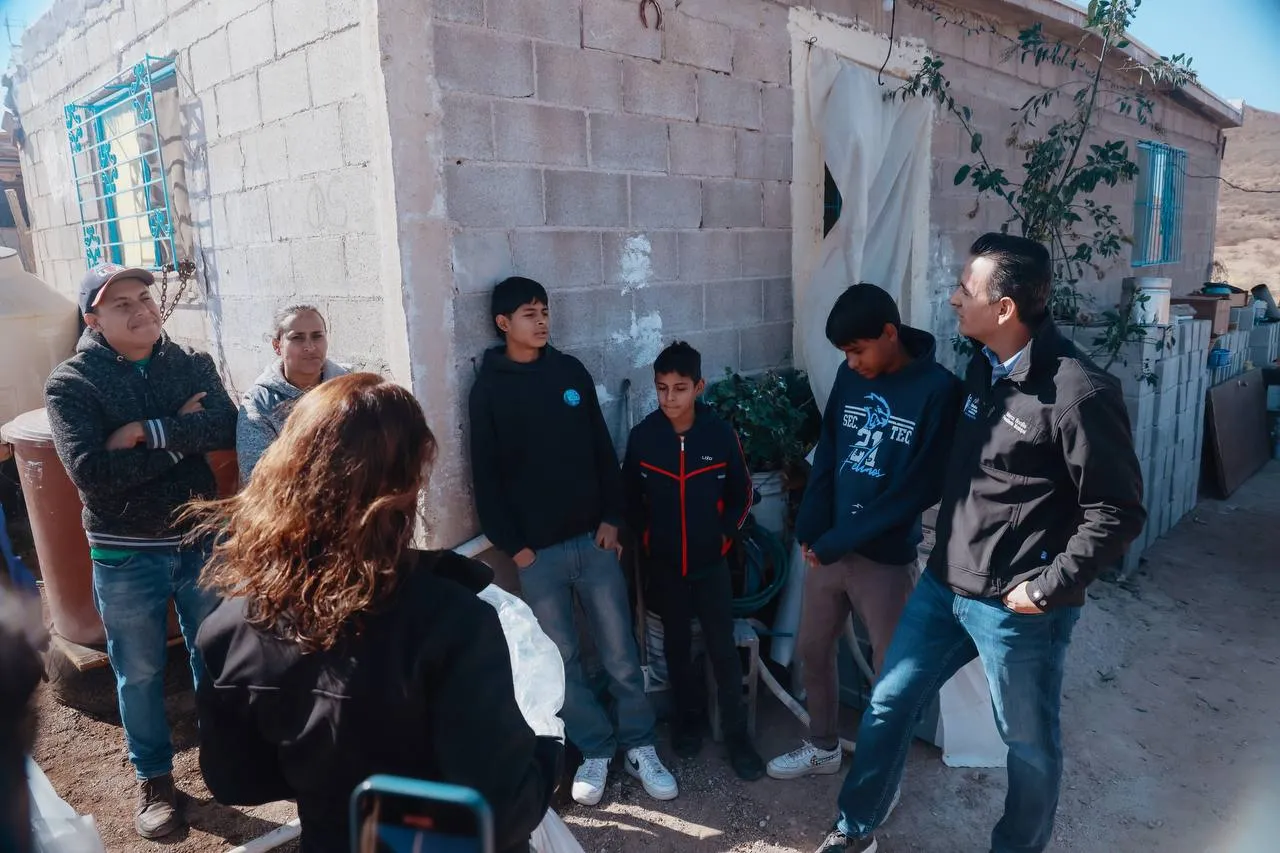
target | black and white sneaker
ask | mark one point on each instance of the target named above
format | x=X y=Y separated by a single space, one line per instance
x=837 y=842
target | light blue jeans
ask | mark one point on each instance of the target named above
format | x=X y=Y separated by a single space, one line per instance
x=133 y=599
x=1023 y=656
x=578 y=566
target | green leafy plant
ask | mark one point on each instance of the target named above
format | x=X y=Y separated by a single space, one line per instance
x=1063 y=159
x=774 y=414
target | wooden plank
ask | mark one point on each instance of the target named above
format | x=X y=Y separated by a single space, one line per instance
x=1236 y=431
x=26 y=248
x=85 y=658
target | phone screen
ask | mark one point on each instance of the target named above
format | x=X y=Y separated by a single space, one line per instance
x=394 y=823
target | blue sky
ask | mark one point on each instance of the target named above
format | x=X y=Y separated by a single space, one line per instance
x=1235 y=44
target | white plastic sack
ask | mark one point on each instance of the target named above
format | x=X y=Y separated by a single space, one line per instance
x=552 y=836
x=55 y=826
x=967 y=732
x=535 y=663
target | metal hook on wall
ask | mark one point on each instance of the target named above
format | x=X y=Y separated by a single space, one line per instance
x=644 y=14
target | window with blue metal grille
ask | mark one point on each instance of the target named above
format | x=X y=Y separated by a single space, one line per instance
x=1157 y=215
x=118 y=164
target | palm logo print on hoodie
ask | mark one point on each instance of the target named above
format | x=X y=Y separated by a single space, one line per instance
x=872 y=423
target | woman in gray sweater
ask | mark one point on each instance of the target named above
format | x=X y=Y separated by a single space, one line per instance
x=300 y=339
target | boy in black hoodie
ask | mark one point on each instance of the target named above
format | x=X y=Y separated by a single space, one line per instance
x=878 y=466
x=687 y=494
x=549 y=494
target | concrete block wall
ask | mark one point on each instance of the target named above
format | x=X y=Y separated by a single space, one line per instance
x=273 y=96
x=1164 y=379
x=641 y=175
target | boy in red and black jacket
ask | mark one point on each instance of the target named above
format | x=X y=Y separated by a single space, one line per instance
x=688 y=492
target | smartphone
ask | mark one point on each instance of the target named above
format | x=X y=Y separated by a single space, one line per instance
x=392 y=814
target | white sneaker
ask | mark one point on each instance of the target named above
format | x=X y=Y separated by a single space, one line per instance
x=643 y=763
x=589 y=781
x=808 y=760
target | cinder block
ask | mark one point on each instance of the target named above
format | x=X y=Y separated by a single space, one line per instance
x=1142 y=412
x=313 y=146
x=668 y=91
x=237 y=102
x=765 y=347
x=481 y=259
x=266 y=262
x=506 y=69
x=706 y=151
x=319 y=265
x=549 y=20
x=720 y=350
x=728 y=101
x=732 y=204
x=285 y=87
x=595 y=315
x=1148 y=483
x=210 y=61
x=341 y=13
x=357 y=329
x=779 y=298
x=680 y=306
x=265 y=155
x=254 y=38
x=762 y=157
x=628 y=142
x=460 y=11
x=467 y=123
x=709 y=256
x=559 y=258
x=777 y=205
x=1167 y=371
x=635 y=260
x=693 y=41
x=245 y=217
x=778 y=101
x=763 y=55
x=580 y=78
x=611 y=25
x=297 y=23
x=766 y=254
x=663 y=202
x=593 y=199
x=336 y=67
x=362 y=258
x=489 y=196
x=530 y=133
x=734 y=304
x=226 y=166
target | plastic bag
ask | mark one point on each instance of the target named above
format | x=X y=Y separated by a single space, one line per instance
x=535 y=663
x=55 y=826
x=552 y=836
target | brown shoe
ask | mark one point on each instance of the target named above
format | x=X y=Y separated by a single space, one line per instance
x=156 y=814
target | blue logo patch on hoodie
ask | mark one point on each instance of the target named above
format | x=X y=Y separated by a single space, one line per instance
x=572 y=398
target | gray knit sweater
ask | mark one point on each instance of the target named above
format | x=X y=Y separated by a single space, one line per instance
x=264 y=410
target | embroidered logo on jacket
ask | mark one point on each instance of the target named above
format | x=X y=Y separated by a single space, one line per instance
x=971 y=408
x=572 y=397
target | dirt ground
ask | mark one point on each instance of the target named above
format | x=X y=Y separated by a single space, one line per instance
x=1170 y=725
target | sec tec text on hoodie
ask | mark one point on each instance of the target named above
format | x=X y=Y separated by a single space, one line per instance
x=880 y=459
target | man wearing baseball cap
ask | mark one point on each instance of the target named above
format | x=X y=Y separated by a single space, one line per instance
x=132 y=415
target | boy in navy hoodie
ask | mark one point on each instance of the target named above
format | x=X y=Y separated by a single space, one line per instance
x=878 y=466
x=687 y=495
x=549 y=494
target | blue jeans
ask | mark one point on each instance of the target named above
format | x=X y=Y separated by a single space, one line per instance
x=578 y=566
x=1023 y=656
x=133 y=599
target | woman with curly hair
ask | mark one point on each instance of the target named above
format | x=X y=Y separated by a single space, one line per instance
x=340 y=651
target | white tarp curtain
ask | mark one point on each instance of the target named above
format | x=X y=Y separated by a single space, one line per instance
x=878 y=154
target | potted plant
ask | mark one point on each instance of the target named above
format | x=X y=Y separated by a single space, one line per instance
x=778 y=423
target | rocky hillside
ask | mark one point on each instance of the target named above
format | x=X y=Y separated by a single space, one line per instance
x=1248 y=239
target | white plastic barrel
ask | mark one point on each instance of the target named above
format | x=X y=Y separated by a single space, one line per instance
x=38 y=330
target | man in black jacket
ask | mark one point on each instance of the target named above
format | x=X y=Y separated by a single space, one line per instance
x=549 y=494
x=132 y=415
x=688 y=492
x=1042 y=492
